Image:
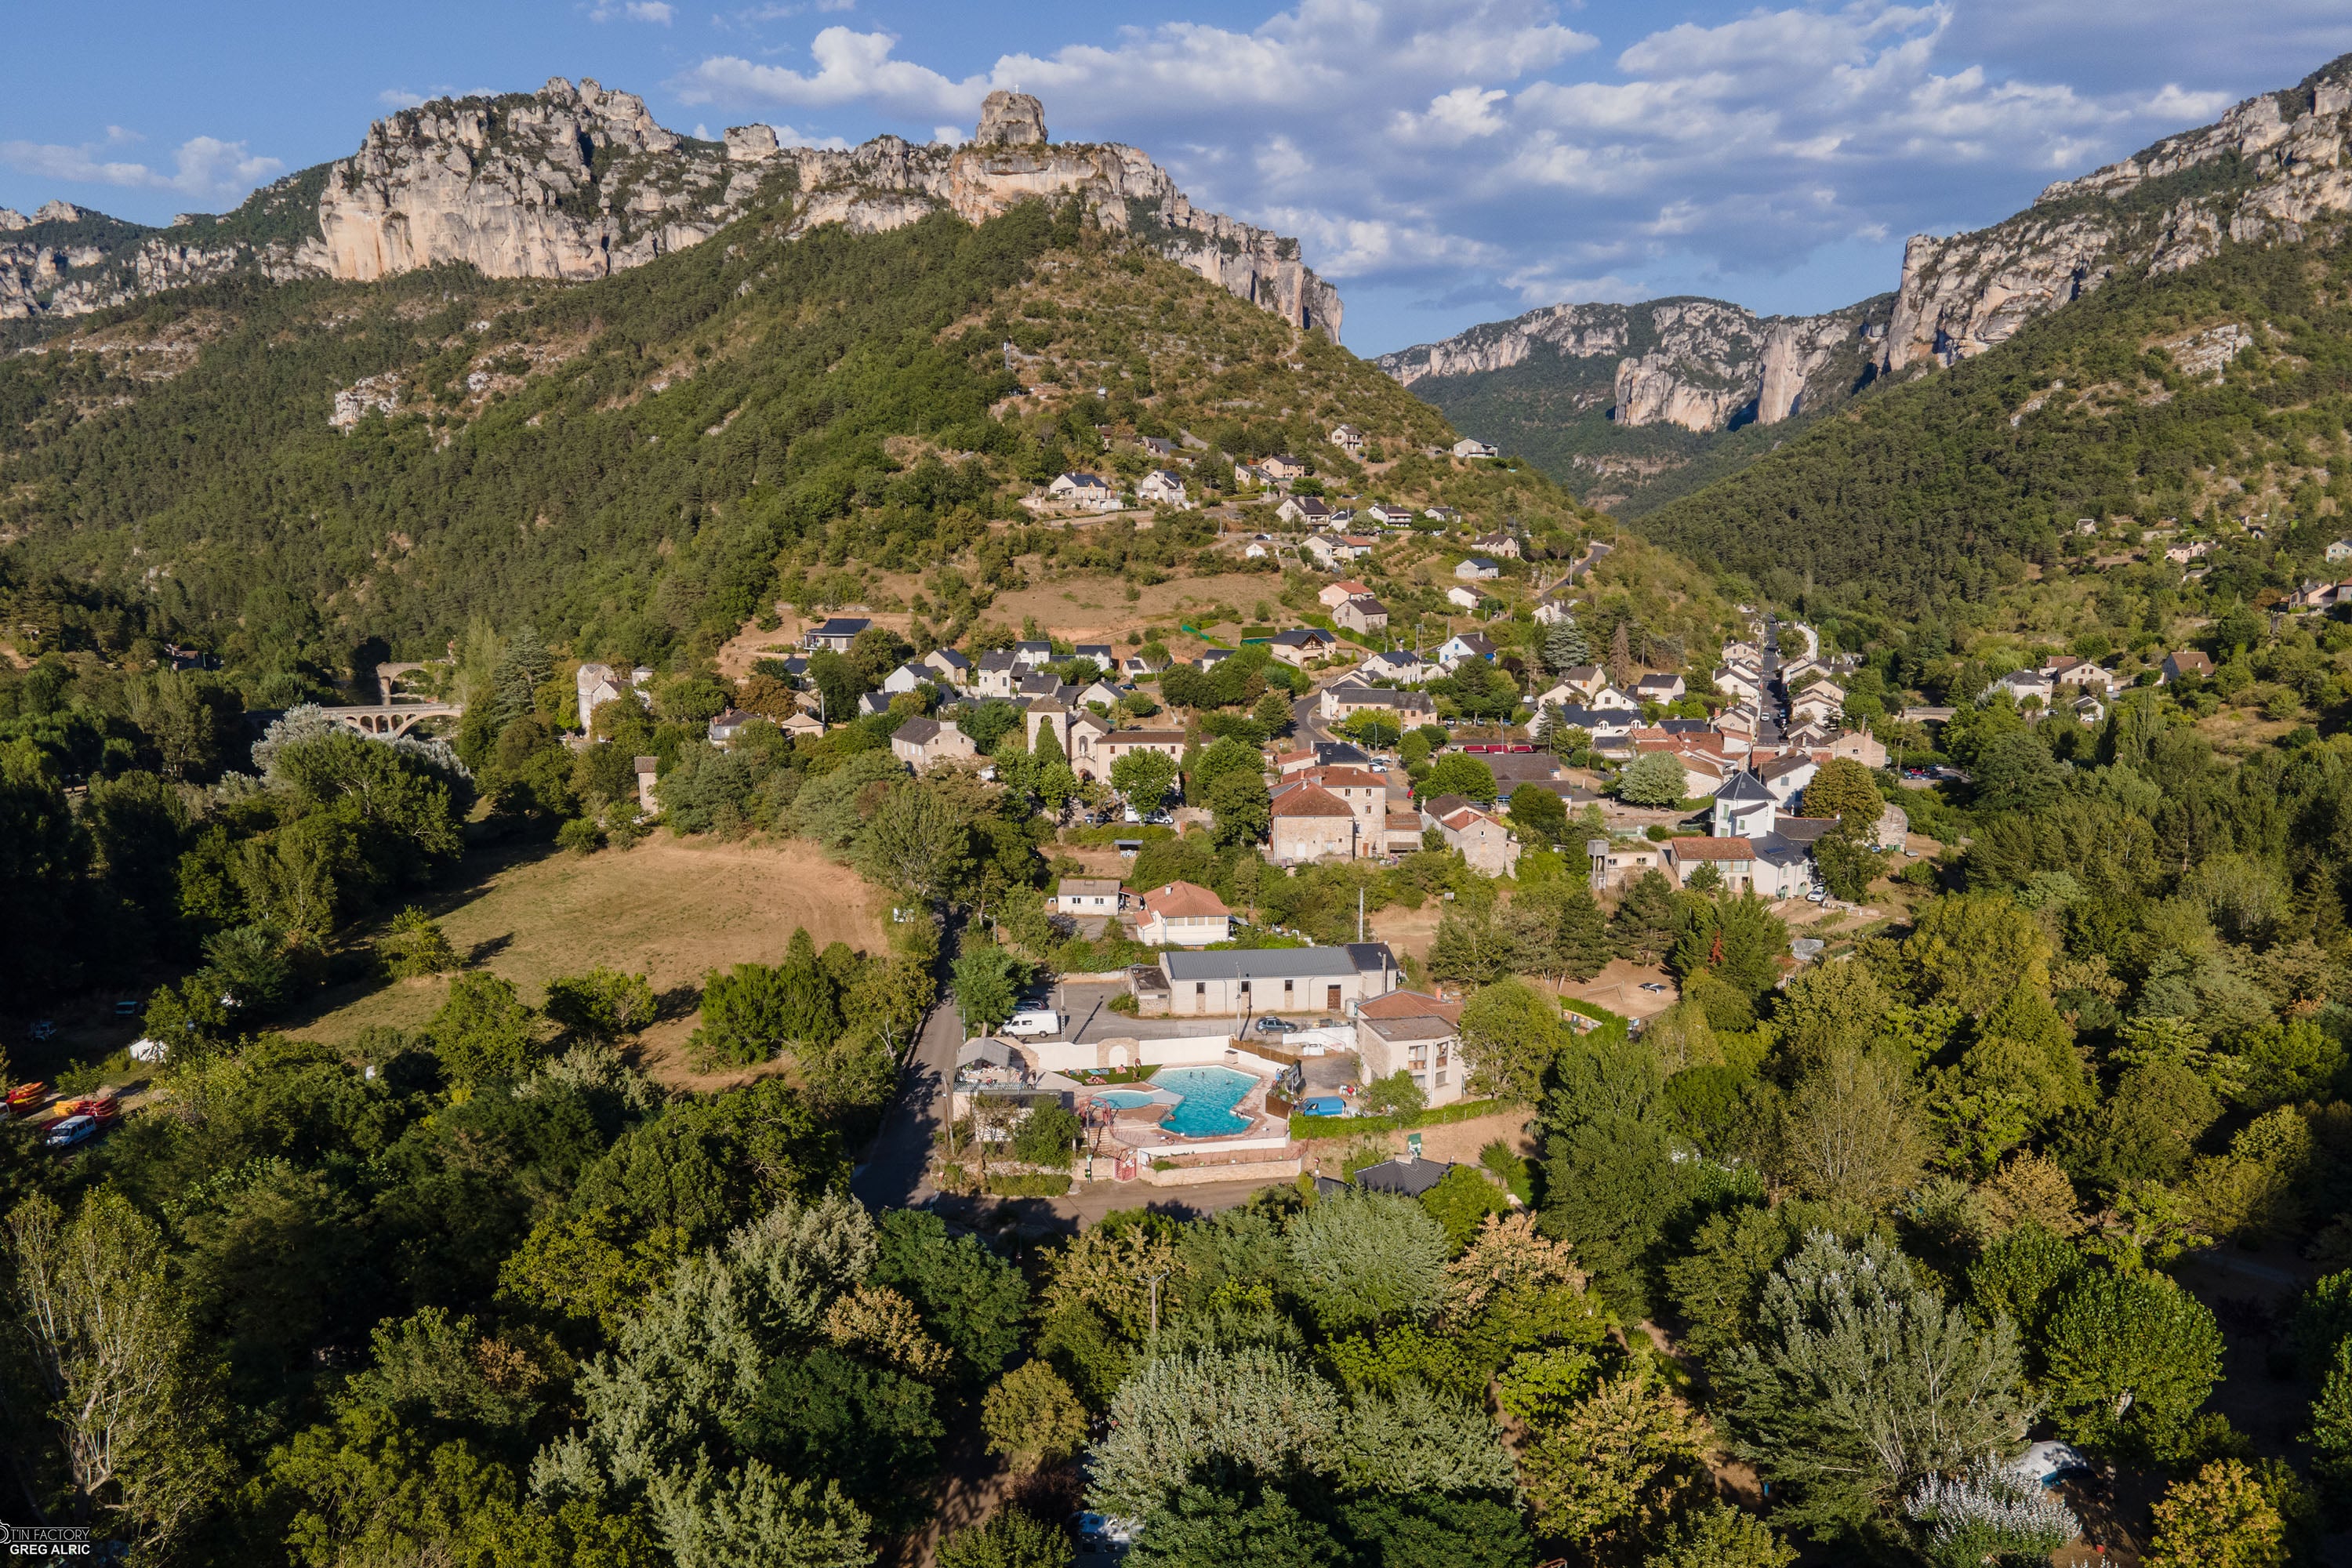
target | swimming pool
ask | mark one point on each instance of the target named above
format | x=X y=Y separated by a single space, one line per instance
x=1210 y=1095
x=1125 y=1098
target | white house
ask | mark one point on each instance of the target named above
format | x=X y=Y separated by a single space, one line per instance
x=1089 y=895
x=1161 y=487
x=1467 y=448
x=1389 y=516
x=920 y=743
x=1335 y=594
x=1462 y=646
x=1182 y=914
x=1088 y=492
x=1608 y=697
x=1312 y=511
x=1363 y=615
x=950 y=665
x=1659 y=689
x=1737 y=681
x=1334 y=549
x=1477 y=569
x=1349 y=439
x=1404 y=668
x=1466 y=599
x=907 y=677
x=2340 y=550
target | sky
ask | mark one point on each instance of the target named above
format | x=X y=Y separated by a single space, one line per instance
x=1443 y=161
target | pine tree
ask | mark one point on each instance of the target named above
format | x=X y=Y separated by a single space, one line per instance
x=1566 y=646
x=1620 y=655
x=523 y=666
x=811 y=1006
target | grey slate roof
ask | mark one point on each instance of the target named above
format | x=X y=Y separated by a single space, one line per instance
x=1278 y=962
x=1744 y=787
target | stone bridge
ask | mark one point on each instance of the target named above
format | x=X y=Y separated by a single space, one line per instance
x=393 y=718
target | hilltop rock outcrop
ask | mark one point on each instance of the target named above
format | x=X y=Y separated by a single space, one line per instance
x=578 y=181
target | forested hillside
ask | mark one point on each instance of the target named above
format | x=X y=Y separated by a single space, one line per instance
x=2215 y=394
x=635 y=464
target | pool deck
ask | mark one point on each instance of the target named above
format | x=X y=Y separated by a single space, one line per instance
x=1263 y=1131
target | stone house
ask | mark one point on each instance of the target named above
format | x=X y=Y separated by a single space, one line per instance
x=1363 y=615
x=1310 y=823
x=920 y=743
x=1486 y=844
x=1409 y=1031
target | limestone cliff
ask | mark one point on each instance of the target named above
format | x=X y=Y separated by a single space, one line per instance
x=1699 y=365
x=2266 y=171
x=574 y=182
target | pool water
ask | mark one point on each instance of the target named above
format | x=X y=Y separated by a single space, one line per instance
x=1210 y=1095
x=1124 y=1098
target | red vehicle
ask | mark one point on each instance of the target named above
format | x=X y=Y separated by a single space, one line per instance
x=1516 y=747
x=102 y=1108
x=25 y=1096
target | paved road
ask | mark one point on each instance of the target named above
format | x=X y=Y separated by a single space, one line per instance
x=895 y=1173
x=1768 y=726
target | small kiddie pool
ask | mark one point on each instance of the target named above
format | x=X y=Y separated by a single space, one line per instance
x=1209 y=1095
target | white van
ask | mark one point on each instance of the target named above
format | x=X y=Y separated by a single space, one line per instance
x=1031 y=1022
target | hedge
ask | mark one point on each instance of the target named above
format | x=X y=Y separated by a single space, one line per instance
x=1372 y=1126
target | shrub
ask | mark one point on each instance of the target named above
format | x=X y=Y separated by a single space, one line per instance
x=415 y=946
x=1033 y=1417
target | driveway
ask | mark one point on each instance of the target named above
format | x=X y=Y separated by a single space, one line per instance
x=897 y=1171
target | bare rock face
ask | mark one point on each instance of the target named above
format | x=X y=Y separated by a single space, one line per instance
x=568 y=183
x=2264 y=172
x=1011 y=120
x=1701 y=364
x=577 y=183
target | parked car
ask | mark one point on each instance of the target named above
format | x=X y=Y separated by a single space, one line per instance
x=1324 y=1105
x=1652 y=985
x=1816 y=896
x=73 y=1130
x=1274 y=1025
x=1033 y=1022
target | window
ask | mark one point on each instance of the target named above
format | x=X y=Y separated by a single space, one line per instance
x=1200 y=988
x=1245 y=986
x=1287 y=987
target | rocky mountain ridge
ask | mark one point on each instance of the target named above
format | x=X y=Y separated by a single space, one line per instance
x=1697 y=364
x=575 y=181
x=2265 y=172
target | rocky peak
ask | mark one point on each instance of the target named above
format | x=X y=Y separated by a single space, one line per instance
x=2261 y=173
x=1701 y=364
x=1011 y=120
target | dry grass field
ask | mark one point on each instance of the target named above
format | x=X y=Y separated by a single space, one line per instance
x=668 y=908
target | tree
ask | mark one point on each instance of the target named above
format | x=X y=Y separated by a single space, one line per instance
x=1458 y=773
x=968 y=1296
x=1144 y=778
x=2015 y=773
x=415 y=946
x=1032 y=1417
x=603 y=1005
x=1846 y=1136
x=1538 y=816
x=1566 y=648
x=1510 y=1034
x=1472 y=945
x=1461 y=1202
x=1652 y=779
x=1847 y=867
x=1242 y=809
x=1395 y=1095
x=106 y=1376
x=1009 y=1538
x=743 y=1016
x=1620 y=654
x=1973 y=950
x=916 y=842
x=1359 y=1257
x=1861 y=1379
x=1202 y=1528
x=2223 y=1518
x=1720 y=1536
x=2128 y=1360
x=1613 y=1161
x=1254 y=1414
x=807 y=993
x=1645 y=925
x=1844 y=789
x=984 y=981
x=483 y=1033
x=1608 y=1470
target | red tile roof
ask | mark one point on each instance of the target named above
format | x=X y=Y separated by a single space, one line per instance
x=1410 y=1004
x=1310 y=800
x=1180 y=900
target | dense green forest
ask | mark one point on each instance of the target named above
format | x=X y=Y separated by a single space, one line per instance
x=1944 y=491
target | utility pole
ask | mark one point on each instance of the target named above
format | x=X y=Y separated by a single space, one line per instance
x=1156 y=1279
x=1360 y=914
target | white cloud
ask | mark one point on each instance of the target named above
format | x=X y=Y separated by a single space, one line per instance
x=399 y=98
x=948 y=135
x=656 y=11
x=203 y=167
x=1489 y=149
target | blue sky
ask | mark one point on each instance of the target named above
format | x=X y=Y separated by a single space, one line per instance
x=1446 y=162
